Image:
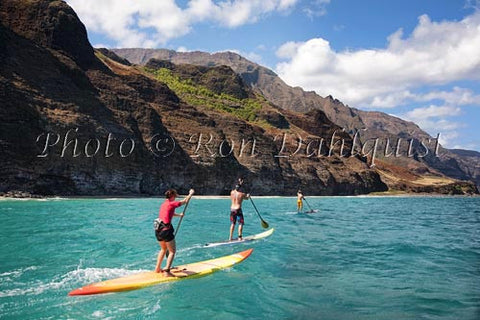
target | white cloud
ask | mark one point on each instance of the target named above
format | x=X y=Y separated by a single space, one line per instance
x=288 y=50
x=287 y=4
x=436 y=53
x=467 y=146
x=252 y=56
x=432 y=112
x=182 y=49
x=261 y=47
x=149 y=23
x=434 y=120
x=447 y=129
x=448 y=139
x=435 y=126
x=392 y=99
x=200 y=10
x=239 y=12
x=424 y=67
x=458 y=96
x=167 y=19
x=316 y=8
x=475 y=4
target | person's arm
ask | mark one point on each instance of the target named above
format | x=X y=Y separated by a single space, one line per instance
x=182 y=202
x=190 y=194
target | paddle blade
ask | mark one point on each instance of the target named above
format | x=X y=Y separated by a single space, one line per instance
x=264 y=224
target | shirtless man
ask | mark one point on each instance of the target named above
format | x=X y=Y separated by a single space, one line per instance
x=236 y=213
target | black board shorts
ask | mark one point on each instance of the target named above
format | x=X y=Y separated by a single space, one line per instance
x=165 y=234
x=236 y=215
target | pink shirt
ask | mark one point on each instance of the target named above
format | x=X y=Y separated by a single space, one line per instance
x=167 y=209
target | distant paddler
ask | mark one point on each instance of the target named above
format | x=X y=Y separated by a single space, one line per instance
x=300 y=199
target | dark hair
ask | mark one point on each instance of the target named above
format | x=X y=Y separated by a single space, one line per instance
x=170 y=192
x=239 y=183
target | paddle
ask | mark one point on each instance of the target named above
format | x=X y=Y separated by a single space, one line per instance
x=180 y=221
x=308 y=204
x=183 y=214
x=264 y=223
x=311 y=210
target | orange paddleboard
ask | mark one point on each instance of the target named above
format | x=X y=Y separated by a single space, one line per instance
x=145 y=279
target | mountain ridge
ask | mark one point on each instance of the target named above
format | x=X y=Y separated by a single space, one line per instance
x=377 y=124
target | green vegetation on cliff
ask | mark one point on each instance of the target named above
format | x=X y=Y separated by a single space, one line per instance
x=197 y=95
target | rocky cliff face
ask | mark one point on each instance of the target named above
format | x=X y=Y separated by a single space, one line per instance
x=79 y=122
x=370 y=125
x=49 y=96
x=469 y=162
x=50 y=24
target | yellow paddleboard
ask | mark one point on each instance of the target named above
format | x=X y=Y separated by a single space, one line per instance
x=145 y=279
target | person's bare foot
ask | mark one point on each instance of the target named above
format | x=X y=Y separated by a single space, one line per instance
x=167 y=273
x=158 y=270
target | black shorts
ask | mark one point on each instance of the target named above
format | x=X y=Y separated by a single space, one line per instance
x=236 y=215
x=165 y=234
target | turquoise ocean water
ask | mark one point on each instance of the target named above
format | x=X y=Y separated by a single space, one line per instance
x=357 y=258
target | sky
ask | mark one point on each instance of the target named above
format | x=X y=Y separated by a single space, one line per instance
x=416 y=59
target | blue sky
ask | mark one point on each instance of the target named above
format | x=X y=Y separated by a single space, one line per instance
x=419 y=60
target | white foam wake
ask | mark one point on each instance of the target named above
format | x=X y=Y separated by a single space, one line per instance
x=68 y=281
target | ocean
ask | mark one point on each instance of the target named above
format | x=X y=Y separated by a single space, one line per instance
x=356 y=258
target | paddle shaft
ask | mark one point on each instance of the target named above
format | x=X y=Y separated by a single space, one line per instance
x=181 y=218
x=264 y=223
x=308 y=204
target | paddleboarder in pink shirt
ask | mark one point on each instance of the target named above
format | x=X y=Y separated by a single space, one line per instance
x=164 y=232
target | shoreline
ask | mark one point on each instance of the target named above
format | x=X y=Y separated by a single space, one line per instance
x=207 y=197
